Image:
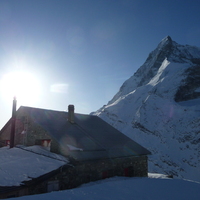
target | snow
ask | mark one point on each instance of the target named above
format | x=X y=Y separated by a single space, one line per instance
x=23 y=163
x=73 y=148
x=156 y=187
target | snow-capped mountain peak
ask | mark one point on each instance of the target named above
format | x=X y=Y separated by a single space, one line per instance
x=159 y=108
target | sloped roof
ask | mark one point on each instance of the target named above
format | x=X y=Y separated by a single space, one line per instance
x=95 y=137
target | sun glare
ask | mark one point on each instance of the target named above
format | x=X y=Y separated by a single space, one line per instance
x=23 y=85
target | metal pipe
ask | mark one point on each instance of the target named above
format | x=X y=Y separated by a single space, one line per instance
x=12 y=132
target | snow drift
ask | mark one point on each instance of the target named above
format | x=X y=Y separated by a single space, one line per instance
x=155 y=187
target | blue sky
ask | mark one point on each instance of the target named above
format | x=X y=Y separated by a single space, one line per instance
x=81 y=51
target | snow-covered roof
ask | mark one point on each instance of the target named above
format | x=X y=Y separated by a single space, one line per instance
x=21 y=164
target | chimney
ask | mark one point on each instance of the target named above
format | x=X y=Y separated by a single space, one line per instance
x=71 y=113
x=13 y=119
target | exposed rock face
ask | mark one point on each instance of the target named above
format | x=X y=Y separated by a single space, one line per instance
x=159 y=107
x=188 y=89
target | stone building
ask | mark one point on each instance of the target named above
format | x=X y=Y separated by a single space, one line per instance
x=95 y=149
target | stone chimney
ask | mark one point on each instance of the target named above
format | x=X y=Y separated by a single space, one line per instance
x=13 y=120
x=71 y=113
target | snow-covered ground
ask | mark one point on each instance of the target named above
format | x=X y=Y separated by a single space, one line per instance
x=19 y=165
x=156 y=187
x=23 y=163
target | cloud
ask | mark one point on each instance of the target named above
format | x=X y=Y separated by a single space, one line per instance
x=59 y=88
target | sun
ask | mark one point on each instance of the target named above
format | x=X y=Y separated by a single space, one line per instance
x=21 y=84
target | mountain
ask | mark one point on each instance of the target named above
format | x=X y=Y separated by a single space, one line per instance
x=159 y=107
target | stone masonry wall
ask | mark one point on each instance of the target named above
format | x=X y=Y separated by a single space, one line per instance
x=5 y=136
x=26 y=131
x=32 y=131
x=99 y=169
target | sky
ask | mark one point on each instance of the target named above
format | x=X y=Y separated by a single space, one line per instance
x=59 y=52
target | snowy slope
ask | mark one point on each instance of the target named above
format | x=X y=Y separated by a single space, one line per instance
x=22 y=164
x=159 y=107
x=156 y=187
